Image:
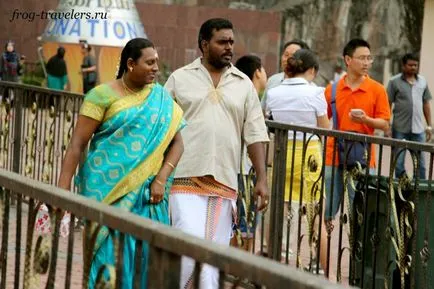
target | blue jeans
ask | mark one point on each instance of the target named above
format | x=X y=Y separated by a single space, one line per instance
x=332 y=204
x=417 y=137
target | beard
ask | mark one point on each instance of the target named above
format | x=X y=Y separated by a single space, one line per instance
x=218 y=61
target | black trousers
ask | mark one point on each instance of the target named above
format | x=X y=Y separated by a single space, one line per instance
x=88 y=86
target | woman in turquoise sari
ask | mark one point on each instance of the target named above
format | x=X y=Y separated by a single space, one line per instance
x=136 y=145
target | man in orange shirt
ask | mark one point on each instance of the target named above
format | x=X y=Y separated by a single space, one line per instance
x=356 y=90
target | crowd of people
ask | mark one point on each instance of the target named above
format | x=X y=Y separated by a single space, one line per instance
x=12 y=67
x=191 y=142
x=57 y=71
x=355 y=103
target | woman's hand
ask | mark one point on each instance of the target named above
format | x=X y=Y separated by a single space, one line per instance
x=157 y=191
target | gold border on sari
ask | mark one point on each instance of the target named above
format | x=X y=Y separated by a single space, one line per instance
x=127 y=102
x=92 y=110
x=147 y=168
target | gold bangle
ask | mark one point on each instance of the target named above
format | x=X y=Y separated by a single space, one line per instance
x=170 y=164
x=158 y=182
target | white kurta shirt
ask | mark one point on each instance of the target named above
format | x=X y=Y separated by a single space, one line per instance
x=217 y=119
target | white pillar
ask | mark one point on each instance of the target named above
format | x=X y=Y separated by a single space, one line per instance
x=427 y=50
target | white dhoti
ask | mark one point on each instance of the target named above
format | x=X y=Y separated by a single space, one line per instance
x=206 y=217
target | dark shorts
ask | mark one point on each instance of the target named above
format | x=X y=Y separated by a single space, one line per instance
x=247 y=228
x=88 y=86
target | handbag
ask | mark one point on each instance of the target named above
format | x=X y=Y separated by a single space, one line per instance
x=355 y=153
x=43 y=222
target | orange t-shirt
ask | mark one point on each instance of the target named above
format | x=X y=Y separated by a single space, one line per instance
x=371 y=96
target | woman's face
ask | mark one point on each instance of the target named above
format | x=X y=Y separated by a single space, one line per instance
x=145 y=69
x=10 y=47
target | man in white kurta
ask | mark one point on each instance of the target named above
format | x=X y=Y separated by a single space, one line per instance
x=222 y=109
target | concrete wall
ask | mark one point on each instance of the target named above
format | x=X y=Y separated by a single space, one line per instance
x=173 y=29
x=23 y=32
x=327 y=25
x=427 y=52
x=427 y=56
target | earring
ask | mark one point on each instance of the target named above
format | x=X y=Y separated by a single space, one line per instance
x=131 y=69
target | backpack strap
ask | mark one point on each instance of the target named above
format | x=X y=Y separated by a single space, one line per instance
x=335 y=117
x=333 y=104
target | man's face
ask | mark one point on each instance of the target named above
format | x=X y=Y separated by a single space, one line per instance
x=219 y=50
x=411 y=67
x=289 y=51
x=360 y=62
x=262 y=78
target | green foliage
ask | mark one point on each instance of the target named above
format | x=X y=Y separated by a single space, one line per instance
x=32 y=80
x=33 y=74
x=164 y=73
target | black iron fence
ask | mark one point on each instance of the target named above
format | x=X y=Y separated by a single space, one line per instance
x=381 y=235
x=34 y=260
x=35 y=128
x=39 y=249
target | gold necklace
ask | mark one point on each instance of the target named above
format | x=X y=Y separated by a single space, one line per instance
x=127 y=88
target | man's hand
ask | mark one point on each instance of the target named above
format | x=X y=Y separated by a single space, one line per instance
x=261 y=191
x=388 y=133
x=428 y=134
x=256 y=153
x=359 y=117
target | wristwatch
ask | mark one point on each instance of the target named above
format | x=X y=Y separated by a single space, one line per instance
x=428 y=128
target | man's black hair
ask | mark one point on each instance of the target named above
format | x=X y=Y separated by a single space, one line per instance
x=298 y=42
x=207 y=29
x=248 y=64
x=353 y=44
x=409 y=56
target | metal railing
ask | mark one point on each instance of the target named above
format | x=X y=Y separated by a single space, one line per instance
x=36 y=125
x=380 y=238
x=32 y=260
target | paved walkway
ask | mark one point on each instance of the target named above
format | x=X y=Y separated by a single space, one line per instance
x=77 y=268
x=40 y=280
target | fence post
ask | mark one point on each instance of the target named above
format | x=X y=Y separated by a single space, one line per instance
x=18 y=108
x=164 y=269
x=278 y=194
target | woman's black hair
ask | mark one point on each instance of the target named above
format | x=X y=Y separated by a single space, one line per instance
x=60 y=52
x=133 y=50
x=301 y=61
x=9 y=42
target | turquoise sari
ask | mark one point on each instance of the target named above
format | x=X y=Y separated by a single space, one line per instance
x=125 y=154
